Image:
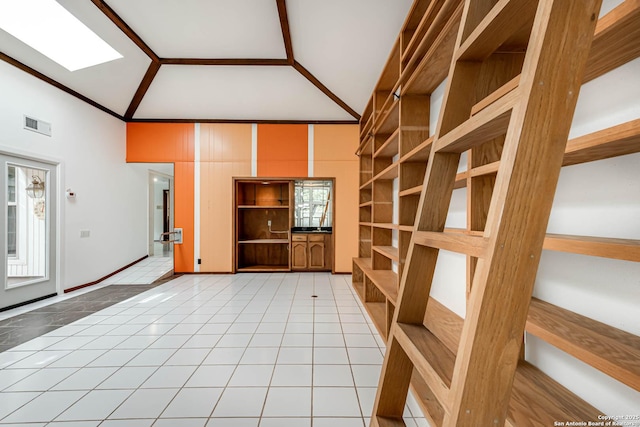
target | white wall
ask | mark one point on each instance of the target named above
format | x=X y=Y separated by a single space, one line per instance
x=111 y=197
x=600 y=198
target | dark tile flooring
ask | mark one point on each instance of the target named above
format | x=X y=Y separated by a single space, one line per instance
x=24 y=327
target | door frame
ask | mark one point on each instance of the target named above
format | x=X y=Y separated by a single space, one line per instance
x=58 y=165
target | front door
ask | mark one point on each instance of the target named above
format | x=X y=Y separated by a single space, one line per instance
x=27 y=230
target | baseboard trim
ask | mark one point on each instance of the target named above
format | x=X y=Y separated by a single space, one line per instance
x=11 y=307
x=95 y=282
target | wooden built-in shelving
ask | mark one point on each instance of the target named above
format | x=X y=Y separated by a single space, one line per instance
x=612 y=351
x=394 y=153
x=259 y=246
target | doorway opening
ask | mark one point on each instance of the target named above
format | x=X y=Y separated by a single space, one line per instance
x=160 y=214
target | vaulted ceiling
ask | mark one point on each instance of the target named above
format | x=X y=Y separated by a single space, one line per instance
x=228 y=60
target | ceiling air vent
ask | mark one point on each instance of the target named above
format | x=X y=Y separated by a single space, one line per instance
x=37 y=125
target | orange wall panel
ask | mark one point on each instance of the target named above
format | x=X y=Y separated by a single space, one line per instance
x=225 y=142
x=283 y=150
x=334 y=156
x=160 y=142
x=225 y=152
x=183 y=211
x=335 y=142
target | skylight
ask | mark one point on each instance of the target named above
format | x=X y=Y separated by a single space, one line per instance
x=50 y=29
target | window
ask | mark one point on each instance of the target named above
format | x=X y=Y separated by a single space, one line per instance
x=313 y=205
x=12 y=218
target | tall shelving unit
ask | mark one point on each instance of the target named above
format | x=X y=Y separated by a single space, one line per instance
x=395 y=143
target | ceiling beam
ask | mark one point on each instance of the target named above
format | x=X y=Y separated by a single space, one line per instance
x=224 y=61
x=142 y=89
x=317 y=83
x=243 y=121
x=126 y=29
x=286 y=33
x=38 y=75
x=137 y=40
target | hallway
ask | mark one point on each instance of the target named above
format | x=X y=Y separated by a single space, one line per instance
x=248 y=350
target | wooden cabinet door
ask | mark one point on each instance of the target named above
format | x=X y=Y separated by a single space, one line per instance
x=316 y=255
x=298 y=255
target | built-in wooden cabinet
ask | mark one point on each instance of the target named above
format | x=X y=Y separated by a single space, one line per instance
x=265 y=236
x=262 y=225
x=311 y=252
x=299 y=252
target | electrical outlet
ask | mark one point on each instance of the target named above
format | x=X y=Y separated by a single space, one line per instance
x=85 y=233
x=268 y=223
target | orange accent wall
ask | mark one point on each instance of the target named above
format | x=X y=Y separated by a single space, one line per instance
x=225 y=152
x=183 y=208
x=160 y=142
x=334 y=156
x=283 y=150
x=170 y=143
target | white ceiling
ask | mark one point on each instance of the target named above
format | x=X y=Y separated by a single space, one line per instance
x=342 y=43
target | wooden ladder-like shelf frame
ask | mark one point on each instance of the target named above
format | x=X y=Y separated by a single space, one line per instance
x=475 y=382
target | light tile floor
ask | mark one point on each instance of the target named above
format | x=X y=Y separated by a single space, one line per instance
x=246 y=350
x=145 y=272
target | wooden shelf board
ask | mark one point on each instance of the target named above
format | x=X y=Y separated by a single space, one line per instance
x=430 y=357
x=390 y=147
x=365 y=146
x=367 y=185
x=611 y=142
x=413 y=191
x=259 y=241
x=390 y=118
x=390 y=252
x=431 y=408
x=420 y=153
x=359 y=287
x=416 y=25
x=264 y=268
x=262 y=207
x=616 y=40
x=391 y=172
x=365 y=204
x=623 y=249
x=386 y=281
x=535 y=396
x=484 y=126
x=378 y=313
x=434 y=66
x=391 y=69
x=386 y=225
x=367 y=127
x=611 y=350
x=506 y=18
x=363 y=263
x=406 y=228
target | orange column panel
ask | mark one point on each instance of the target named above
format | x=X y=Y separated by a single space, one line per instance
x=160 y=142
x=334 y=156
x=170 y=143
x=184 y=205
x=282 y=150
x=225 y=152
